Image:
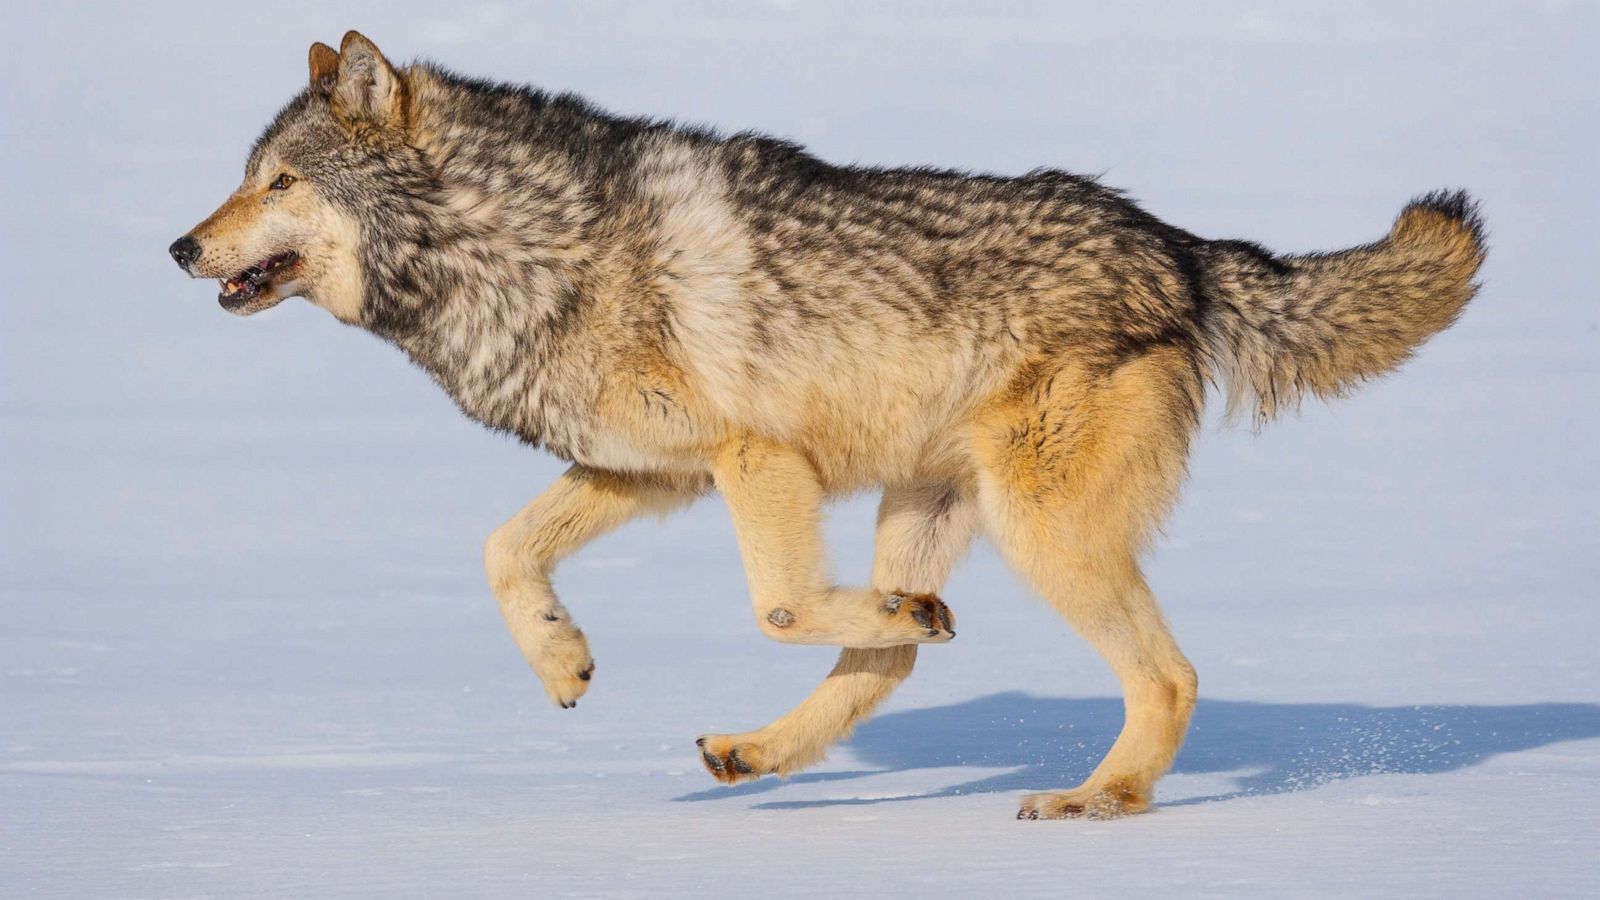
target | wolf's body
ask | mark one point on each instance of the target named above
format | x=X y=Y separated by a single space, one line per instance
x=671 y=310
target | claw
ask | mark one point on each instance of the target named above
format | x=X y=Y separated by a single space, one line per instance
x=714 y=764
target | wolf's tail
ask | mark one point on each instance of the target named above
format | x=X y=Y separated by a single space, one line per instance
x=1278 y=327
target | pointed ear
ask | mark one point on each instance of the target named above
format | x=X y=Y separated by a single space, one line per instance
x=368 y=94
x=324 y=67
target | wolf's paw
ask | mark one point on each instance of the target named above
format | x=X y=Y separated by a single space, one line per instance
x=1109 y=801
x=732 y=758
x=565 y=667
x=923 y=617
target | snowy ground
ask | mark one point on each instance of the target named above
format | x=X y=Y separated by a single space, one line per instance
x=246 y=649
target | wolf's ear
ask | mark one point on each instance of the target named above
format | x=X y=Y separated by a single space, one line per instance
x=368 y=94
x=324 y=67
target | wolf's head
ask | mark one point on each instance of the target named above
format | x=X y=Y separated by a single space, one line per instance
x=320 y=172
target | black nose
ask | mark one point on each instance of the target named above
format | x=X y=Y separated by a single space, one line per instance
x=185 y=250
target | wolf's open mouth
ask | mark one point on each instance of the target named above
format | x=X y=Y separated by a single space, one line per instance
x=247 y=285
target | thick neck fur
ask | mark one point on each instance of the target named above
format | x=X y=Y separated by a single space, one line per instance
x=479 y=266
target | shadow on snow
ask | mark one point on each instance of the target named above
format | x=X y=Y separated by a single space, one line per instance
x=1052 y=743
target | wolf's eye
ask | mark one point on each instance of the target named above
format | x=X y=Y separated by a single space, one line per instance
x=282 y=182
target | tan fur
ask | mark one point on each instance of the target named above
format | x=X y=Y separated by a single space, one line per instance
x=256 y=222
x=1073 y=475
x=923 y=529
x=582 y=505
x=324 y=64
x=776 y=501
x=671 y=310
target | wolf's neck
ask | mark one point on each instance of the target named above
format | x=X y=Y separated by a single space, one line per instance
x=479 y=278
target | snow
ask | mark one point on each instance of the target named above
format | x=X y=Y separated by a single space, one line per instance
x=246 y=648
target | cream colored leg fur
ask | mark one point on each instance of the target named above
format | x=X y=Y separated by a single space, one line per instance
x=1067 y=474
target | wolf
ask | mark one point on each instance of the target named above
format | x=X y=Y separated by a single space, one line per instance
x=673 y=310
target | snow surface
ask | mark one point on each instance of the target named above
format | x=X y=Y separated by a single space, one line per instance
x=246 y=649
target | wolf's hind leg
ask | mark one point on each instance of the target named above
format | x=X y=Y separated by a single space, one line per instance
x=922 y=530
x=776 y=502
x=580 y=506
x=1071 y=479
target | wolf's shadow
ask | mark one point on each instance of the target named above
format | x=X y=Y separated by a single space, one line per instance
x=1050 y=742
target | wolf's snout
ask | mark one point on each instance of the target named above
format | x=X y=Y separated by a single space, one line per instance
x=185 y=251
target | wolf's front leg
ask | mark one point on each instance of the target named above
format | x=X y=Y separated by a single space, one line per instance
x=776 y=502
x=922 y=530
x=580 y=506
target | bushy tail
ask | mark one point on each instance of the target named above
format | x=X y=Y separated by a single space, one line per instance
x=1281 y=326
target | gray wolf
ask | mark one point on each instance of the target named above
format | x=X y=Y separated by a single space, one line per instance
x=672 y=311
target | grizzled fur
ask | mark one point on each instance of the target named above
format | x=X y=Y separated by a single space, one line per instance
x=529 y=217
x=671 y=309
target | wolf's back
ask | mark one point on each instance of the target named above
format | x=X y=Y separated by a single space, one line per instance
x=1281 y=326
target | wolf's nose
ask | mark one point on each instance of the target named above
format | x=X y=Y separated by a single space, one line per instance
x=185 y=251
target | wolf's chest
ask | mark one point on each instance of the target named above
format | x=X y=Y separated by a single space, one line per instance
x=508 y=386
x=536 y=407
